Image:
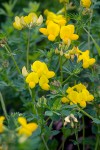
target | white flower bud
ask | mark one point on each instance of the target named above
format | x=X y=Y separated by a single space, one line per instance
x=40 y=20
x=24 y=71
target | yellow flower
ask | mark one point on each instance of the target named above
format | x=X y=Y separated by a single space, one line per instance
x=40 y=74
x=17 y=24
x=26 y=128
x=31 y=20
x=1 y=123
x=83 y=104
x=86 y=3
x=43 y=82
x=64 y=100
x=78 y=94
x=87 y=61
x=79 y=87
x=52 y=30
x=27 y=21
x=39 y=67
x=42 y=69
x=67 y=34
x=72 y=96
x=32 y=79
x=58 y=19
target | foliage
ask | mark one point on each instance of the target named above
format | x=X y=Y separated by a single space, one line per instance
x=50 y=75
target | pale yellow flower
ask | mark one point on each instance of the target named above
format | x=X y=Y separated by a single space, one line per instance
x=17 y=24
x=27 y=21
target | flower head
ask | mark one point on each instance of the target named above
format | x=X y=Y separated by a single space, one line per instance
x=27 y=21
x=58 y=19
x=67 y=34
x=52 y=30
x=77 y=94
x=32 y=79
x=26 y=128
x=87 y=61
x=40 y=74
x=17 y=24
x=86 y=3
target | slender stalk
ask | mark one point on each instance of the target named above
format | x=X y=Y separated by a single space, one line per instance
x=89 y=30
x=7 y=48
x=27 y=52
x=61 y=71
x=76 y=136
x=67 y=79
x=63 y=143
x=34 y=103
x=97 y=142
x=85 y=113
x=95 y=43
x=3 y=106
x=83 y=132
x=46 y=146
x=65 y=9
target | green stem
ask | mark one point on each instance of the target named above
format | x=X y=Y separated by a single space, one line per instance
x=46 y=146
x=67 y=79
x=83 y=132
x=63 y=142
x=97 y=142
x=3 y=106
x=76 y=136
x=85 y=113
x=65 y=9
x=34 y=103
x=7 y=48
x=61 y=71
x=95 y=43
x=27 y=52
x=89 y=31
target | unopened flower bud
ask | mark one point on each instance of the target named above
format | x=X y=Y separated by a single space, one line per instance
x=40 y=20
x=24 y=71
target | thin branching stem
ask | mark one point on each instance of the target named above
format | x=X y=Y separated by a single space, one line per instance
x=76 y=136
x=46 y=146
x=3 y=106
x=7 y=48
x=27 y=52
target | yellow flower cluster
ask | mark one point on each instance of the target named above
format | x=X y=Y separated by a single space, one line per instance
x=1 y=123
x=27 y=21
x=67 y=33
x=77 y=94
x=56 y=27
x=58 y=19
x=40 y=74
x=87 y=61
x=81 y=56
x=26 y=128
x=86 y=3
